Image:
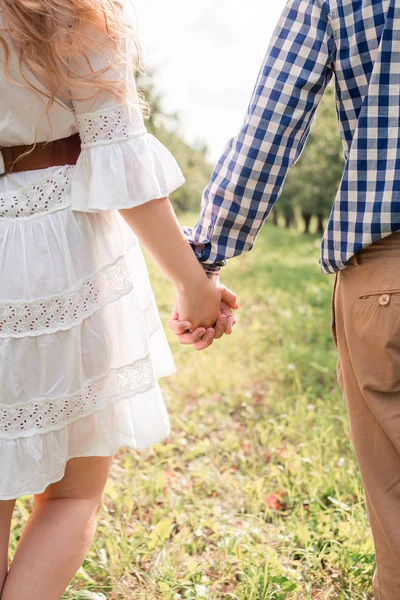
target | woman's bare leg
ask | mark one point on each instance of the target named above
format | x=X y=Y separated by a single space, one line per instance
x=59 y=532
x=6 y=512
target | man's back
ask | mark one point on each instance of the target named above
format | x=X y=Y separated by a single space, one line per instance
x=358 y=29
x=367 y=74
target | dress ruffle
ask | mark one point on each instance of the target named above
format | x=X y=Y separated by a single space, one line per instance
x=29 y=465
x=123 y=174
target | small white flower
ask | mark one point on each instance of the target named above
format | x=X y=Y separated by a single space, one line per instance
x=201 y=590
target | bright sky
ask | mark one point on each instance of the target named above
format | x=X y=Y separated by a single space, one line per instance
x=207 y=56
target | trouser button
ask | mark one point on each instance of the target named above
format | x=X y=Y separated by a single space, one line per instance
x=384 y=299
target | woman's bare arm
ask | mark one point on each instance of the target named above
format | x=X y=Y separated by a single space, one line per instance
x=157 y=227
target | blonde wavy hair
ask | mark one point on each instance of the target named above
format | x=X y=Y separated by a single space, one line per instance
x=50 y=34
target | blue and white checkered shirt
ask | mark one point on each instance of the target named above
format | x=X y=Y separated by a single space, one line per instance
x=357 y=41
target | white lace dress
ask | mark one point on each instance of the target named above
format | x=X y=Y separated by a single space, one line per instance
x=81 y=342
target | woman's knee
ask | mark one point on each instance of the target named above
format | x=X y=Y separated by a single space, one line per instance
x=84 y=478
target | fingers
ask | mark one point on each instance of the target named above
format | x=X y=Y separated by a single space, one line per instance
x=229 y=297
x=230 y=318
x=179 y=327
x=176 y=326
x=199 y=339
x=192 y=338
x=220 y=326
x=202 y=337
x=206 y=340
x=231 y=322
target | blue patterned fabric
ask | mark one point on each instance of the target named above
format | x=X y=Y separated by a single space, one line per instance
x=358 y=43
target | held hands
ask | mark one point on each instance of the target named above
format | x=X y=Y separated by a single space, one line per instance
x=201 y=317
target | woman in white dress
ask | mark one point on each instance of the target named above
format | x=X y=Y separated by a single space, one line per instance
x=81 y=343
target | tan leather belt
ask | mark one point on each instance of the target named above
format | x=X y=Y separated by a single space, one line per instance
x=50 y=154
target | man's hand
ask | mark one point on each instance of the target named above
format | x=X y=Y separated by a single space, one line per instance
x=201 y=338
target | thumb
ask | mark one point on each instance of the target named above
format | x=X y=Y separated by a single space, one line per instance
x=177 y=326
x=229 y=297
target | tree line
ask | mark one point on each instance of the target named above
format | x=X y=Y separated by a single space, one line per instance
x=192 y=158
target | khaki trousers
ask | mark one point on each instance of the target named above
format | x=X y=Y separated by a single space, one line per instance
x=366 y=330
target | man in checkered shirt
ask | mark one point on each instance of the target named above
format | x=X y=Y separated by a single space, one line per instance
x=358 y=43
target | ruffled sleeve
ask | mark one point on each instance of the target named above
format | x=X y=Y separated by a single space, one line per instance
x=121 y=165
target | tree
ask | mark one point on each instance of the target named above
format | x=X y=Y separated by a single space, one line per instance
x=192 y=158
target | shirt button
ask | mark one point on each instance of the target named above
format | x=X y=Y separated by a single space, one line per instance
x=384 y=299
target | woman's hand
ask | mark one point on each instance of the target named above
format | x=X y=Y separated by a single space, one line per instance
x=201 y=338
x=198 y=304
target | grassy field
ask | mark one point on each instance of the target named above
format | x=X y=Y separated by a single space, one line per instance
x=256 y=493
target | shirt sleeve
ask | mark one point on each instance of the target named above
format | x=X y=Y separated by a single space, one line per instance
x=120 y=165
x=250 y=174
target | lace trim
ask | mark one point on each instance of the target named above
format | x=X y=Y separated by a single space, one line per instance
x=43 y=196
x=46 y=315
x=48 y=414
x=120 y=122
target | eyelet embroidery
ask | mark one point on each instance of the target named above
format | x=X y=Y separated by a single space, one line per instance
x=44 y=196
x=64 y=311
x=117 y=123
x=47 y=414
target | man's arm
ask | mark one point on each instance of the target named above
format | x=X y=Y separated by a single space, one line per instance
x=249 y=176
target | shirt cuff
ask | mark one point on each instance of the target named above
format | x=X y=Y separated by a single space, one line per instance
x=212 y=271
x=213 y=275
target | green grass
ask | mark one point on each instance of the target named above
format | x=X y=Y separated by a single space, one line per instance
x=256 y=494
